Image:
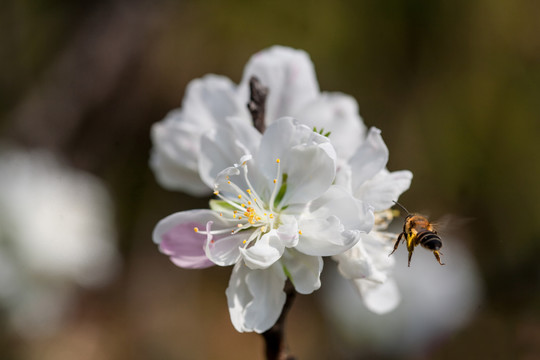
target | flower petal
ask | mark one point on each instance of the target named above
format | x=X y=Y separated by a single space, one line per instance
x=337 y=201
x=304 y=270
x=325 y=237
x=288 y=230
x=379 y=298
x=368 y=259
x=224 y=146
x=211 y=99
x=266 y=251
x=175 y=154
x=176 y=238
x=255 y=297
x=289 y=76
x=308 y=159
x=385 y=188
x=370 y=158
x=223 y=250
x=337 y=114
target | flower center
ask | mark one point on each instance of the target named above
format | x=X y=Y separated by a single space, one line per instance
x=244 y=206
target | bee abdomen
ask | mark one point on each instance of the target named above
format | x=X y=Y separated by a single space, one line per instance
x=429 y=240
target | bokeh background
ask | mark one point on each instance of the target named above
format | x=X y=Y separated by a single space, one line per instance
x=453 y=85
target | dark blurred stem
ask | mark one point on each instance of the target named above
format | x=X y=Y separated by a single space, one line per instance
x=275 y=336
x=257 y=103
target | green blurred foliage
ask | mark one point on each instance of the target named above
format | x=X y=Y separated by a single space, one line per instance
x=454 y=86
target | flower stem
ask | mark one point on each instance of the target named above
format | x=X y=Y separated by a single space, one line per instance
x=275 y=336
x=257 y=101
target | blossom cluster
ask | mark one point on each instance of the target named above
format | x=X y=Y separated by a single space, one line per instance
x=314 y=184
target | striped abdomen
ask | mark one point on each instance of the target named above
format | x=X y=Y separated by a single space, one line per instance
x=429 y=240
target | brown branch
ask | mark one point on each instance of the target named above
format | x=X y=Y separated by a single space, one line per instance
x=257 y=103
x=275 y=336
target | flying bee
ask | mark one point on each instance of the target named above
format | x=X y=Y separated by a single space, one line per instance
x=417 y=230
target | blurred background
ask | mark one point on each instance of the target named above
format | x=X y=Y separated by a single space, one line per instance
x=453 y=85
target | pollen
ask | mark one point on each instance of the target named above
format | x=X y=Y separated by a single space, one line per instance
x=196 y=229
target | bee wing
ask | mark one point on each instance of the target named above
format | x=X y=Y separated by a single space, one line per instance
x=451 y=223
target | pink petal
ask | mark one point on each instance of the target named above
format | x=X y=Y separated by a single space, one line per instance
x=185 y=246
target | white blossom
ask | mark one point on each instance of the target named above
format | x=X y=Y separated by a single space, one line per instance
x=55 y=234
x=275 y=215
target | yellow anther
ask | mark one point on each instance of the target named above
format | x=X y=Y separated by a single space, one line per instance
x=249 y=202
x=248 y=191
x=278 y=161
x=243 y=205
x=196 y=229
x=263 y=228
x=271 y=216
x=299 y=232
x=245 y=241
x=216 y=192
x=275 y=181
x=220 y=214
x=234 y=216
x=255 y=200
x=228 y=182
x=239 y=218
x=239 y=196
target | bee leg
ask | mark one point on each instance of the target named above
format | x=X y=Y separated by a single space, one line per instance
x=410 y=245
x=396 y=244
x=437 y=256
x=410 y=256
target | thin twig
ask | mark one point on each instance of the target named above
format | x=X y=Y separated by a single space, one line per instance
x=275 y=336
x=257 y=103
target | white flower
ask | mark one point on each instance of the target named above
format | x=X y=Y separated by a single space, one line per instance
x=277 y=214
x=293 y=91
x=55 y=233
x=186 y=147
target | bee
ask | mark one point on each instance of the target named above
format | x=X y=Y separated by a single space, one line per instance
x=417 y=230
